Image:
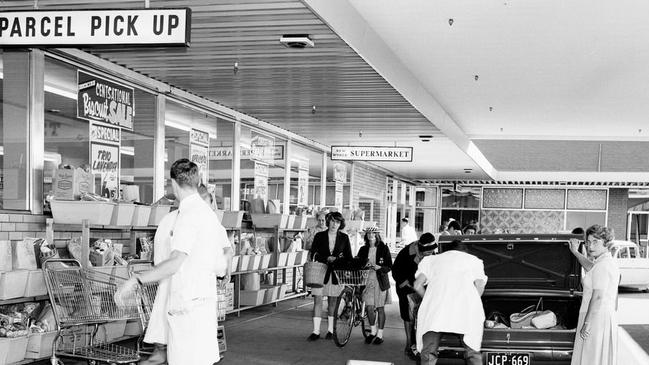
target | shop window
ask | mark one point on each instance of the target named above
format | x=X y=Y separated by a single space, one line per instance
x=338 y=189
x=220 y=160
x=122 y=160
x=14 y=147
x=306 y=170
x=188 y=134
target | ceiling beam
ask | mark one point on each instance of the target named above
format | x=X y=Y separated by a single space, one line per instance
x=343 y=19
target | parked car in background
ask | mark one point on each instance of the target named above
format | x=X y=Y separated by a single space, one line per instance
x=524 y=270
x=633 y=264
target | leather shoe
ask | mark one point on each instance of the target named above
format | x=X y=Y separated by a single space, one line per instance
x=329 y=336
x=158 y=357
x=369 y=338
x=313 y=337
x=377 y=341
x=411 y=354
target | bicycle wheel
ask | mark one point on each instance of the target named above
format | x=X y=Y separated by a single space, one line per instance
x=343 y=318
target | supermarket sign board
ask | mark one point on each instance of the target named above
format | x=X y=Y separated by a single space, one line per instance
x=95 y=28
x=371 y=153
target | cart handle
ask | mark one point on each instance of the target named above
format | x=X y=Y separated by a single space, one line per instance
x=53 y=261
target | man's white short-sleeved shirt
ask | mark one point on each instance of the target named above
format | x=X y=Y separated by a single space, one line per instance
x=451 y=302
x=199 y=234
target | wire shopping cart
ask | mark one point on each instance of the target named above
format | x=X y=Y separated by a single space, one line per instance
x=147 y=294
x=82 y=299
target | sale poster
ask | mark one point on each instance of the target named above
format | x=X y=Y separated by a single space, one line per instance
x=338 y=197
x=303 y=184
x=199 y=142
x=105 y=165
x=261 y=181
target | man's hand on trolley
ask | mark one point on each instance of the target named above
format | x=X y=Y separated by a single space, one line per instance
x=125 y=292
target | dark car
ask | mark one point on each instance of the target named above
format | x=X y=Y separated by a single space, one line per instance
x=523 y=269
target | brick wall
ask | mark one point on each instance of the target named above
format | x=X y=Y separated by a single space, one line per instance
x=370 y=183
x=617 y=211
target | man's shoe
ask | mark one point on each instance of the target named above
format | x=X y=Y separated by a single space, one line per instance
x=369 y=338
x=378 y=341
x=329 y=336
x=411 y=354
x=313 y=337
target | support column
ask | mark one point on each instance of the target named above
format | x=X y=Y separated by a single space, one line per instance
x=323 y=181
x=36 y=144
x=286 y=204
x=236 y=167
x=159 y=149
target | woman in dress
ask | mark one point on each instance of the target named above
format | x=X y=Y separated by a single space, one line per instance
x=378 y=255
x=596 y=339
x=321 y=225
x=328 y=247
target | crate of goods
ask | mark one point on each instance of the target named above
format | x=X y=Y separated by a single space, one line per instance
x=73 y=212
x=232 y=219
x=235 y=263
x=270 y=294
x=229 y=296
x=35 y=284
x=157 y=212
x=40 y=345
x=300 y=222
x=123 y=214
x=13 y=283
x=281 y=292
x=244 y=261
x=251 y=297
x=269 y=220
x=290 y=221
x=13 y=349
x=254 y=262
x=265 y=261
x=141 y=215
x=290 y=258
x=133 y=328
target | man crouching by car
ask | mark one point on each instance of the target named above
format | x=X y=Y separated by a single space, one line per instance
x=451 y=285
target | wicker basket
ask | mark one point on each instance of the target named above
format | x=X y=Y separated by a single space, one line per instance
x=314 y=274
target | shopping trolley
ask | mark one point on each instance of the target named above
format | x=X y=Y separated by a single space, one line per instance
x=147 y=293
x=82 y=299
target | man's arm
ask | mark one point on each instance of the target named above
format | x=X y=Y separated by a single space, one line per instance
x=165 y=269
x=584 y=261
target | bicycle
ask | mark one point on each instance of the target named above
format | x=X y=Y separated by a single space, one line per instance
x=350 y=308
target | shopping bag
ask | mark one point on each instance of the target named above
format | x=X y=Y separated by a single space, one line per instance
x=545 y=319
x=524 y=317
x=23 y=254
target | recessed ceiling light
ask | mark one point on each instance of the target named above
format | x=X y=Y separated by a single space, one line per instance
x=296 y=41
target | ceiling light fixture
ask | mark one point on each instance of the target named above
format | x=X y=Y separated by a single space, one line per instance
x=296 y=41
x=450 y=22
x=425 y=137
x=236 y=67
x=313 y=109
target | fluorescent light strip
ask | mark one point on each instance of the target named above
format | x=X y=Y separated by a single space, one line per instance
x=127 y=150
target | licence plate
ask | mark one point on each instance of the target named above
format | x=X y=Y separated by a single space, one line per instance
x=508 y=358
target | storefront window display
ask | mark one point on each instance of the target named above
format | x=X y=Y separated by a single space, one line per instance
x=220 y=162
x=14 y=148
x=115 y=144
x=338 y=188
x=188 y=134
x=306 y=172
x=262 y=171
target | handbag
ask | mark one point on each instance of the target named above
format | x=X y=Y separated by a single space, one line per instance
x=545 y=319
x=314 y=273
x=524 y=317
x=384 y=280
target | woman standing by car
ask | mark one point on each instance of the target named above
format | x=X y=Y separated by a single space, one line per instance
x=596 y=339
x=328 y=247
x=378 y=284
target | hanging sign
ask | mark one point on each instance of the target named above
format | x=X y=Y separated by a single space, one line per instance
x=225 y=153
x=340 y=172
x=199 y=142
x=94 y=28
x=338 y=196
x=303 y=184
x=105 y=143
x=100 y=100
x=261 y=147
x=371 y=153
x=261 y=181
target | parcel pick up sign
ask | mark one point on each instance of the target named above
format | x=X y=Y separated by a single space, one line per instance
x=92 y=28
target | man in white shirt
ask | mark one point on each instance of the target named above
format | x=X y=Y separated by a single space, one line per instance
x=196 y=259
x=408 y=234
x=451 y=285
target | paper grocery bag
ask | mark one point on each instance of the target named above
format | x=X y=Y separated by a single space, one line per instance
x=6 y=260
x=23 y=254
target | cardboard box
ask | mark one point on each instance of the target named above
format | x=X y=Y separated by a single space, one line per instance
x=70 y=183
x=271 y=293
x=244 y=260
x=290 y=221
x=40 y=345
x=35 y=284
x=252 y=297
x=13 y=283
x=254 y=262
x=220 y=336
x=112 y=330
x=300 y=222
x=235 y=263
x=157 y=212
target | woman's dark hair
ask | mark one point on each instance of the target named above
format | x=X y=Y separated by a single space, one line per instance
x=337 y=217
x=455 y=225
x=578 y=230
x=185 y=173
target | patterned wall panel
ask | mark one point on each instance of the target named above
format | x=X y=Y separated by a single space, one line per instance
x=502 y=198
x=521 y=221
x=545 y=198
x=587 y=199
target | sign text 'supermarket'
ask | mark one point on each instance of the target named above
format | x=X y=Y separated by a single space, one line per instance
x=371 y=153
x=95 y=27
